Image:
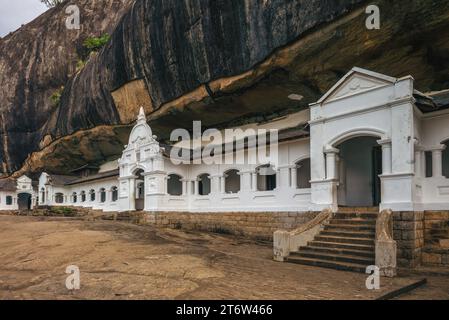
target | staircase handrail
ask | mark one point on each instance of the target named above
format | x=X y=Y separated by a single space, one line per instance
x=386 y=246
x=320 y=219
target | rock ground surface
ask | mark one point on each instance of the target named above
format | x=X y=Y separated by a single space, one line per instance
x=124 y=261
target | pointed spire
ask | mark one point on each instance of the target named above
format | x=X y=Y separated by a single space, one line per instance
x=141 y=118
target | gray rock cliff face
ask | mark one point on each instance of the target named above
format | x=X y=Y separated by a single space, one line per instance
x=219 y=61
x=35 y=61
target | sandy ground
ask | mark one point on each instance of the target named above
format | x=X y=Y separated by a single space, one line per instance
x=124 y=261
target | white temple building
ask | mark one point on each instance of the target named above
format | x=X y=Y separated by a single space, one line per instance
x=371 y=141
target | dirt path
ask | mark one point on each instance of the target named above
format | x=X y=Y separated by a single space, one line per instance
x=124 y=261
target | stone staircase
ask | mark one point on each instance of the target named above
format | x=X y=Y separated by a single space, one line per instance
x=346 y=243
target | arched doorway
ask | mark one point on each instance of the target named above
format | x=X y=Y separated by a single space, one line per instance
x=74 y=197
x=83 y=196
x=59 y=198
x=303 y=174
x=114 y=194
x=232 y=181
x=204 y=185
x=102 y=193
x=42 y=195
x=24 y=201
x=174 y=185
x=92 y=195
x=140 y=190
x=359 y=166
x=266 y=178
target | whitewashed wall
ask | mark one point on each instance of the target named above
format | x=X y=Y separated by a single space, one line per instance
x=363 y=103
x=434 y=133
x=3 y=196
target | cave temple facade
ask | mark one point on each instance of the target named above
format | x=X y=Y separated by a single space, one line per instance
x=370 y=141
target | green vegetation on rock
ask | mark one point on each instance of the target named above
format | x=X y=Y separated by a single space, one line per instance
x=56 y=96
x=94 y=44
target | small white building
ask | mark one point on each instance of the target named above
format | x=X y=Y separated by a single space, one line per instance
x=17 y=194
x=371 y=140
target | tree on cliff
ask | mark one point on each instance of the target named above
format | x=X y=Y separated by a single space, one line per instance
x=52 y=3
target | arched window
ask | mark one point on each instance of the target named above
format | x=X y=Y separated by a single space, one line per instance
x=83 y=196
x=266 y=178
x=232 y=181
x=303 y=174
x=174 y=185
x=92 y=195
x=446 y=160
x=114 y=191
x=204 y=185
x=74 y=197
x=59 y=198
x=102 y=195
x=8 y=200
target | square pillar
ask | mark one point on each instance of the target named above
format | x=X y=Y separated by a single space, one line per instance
x=127 y=194
x=245 y=181
x=215 y=184
x=419 y=167
x=155 y=190
x=284 y=177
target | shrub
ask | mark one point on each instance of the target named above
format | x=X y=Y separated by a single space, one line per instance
x=94 y=44
x=63 y=211
x=56 y=96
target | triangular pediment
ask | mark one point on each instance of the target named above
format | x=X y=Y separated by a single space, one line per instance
x=355 y=82
x=24 y=179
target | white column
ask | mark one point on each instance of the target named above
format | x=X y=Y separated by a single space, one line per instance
x=184 y=187
x=294 y=176
x=223 y=184
x=188 y=187
x=254 y=182
x=387 y=167
x=331 y=163
x=437 y=161
x=196 y=186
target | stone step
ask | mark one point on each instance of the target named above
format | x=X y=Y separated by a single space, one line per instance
x=356 y=215
x=368 y=253
x=369 y=235
x=334 y=257
x=350 y=240
x=346 y=246
x=350 y=227
x=343 y=266
x=359 y=209
x=361 y=222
